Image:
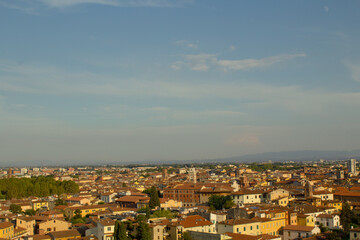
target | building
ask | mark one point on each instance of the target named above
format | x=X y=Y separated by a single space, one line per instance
x=6 y=230
x=65 y=235
x=26 y=222
x=305 y=220
x=84 y=210
x=355 y=234
x=296 y=232
x=246 y=197
x=133 y=201
x=351 y=164
x=108 y=197
x=192 y=175
x=328 y=220
x=39 y=204
x=244 y=226
x=194 y=223
x=271 y=226
x=104 y=229
x=52 y=225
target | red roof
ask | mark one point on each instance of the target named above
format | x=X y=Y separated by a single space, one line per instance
x=194 y=221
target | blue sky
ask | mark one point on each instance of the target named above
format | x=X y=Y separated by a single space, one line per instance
x=113 y=80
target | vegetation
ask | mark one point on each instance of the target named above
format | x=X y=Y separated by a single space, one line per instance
x=154 y=197
x=217 y=202
x=163 y=213
x=77 y=218
x=186 y=236
x=140 y=218
x=30 y=212
x=16 y=209
x=39 y=187
x=143 y=231
x=60 y=201
x=120 y=231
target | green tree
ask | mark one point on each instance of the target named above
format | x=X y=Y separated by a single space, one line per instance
x=30 y=212
x=120 y=231
x=143 y=231
x=187 y=236
x=147 y=212
x=219 y=202
x=346 y=216
x=60 y=201
x=16 y=209
x=163 y=213
x=116 y=230
x=154 y=198
x=140 y=218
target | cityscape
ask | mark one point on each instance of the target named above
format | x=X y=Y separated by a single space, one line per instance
x=179 y=120
x=267 y=200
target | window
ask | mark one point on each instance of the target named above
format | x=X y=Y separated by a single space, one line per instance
x=109 y=228
x=250 y=227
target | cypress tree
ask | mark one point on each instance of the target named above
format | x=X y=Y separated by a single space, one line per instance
x=154 y=198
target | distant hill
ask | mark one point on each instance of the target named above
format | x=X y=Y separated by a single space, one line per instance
x=293 y=156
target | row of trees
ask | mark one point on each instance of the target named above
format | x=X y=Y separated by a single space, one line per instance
x=127 y=230
x=38 y=186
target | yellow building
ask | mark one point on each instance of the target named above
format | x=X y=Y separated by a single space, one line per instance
x=84 y=210
x=243 y=226
x=39 y=205
x=283 y=201
x=65 y=235
x=333 y=203
x=305 y=220
x=6 y=230
x=271 y=226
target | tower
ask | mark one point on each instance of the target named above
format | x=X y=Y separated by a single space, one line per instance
x=165 y=174
x=192 y=175
x=308 y=189
x=351 y=164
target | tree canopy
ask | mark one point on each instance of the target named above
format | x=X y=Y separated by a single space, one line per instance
x=38 y=186
x=120 y=231
x=219 y=202
x=15 y=209
x=154 y=197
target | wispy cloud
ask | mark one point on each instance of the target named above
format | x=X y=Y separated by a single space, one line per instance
x=203 y=62
x=29 y=7
x=186 y=44
x=49 y=80
x=247 y=64
x=354 y=70
x=326 y=9
x=33 y=6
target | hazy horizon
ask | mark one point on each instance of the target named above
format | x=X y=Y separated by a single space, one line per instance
x=131 y=80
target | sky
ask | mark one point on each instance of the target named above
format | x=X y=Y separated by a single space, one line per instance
x=114 y=81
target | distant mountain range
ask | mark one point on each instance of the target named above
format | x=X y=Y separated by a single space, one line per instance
x=305 y=155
